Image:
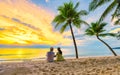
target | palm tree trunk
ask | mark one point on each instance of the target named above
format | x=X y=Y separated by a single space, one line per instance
x=107 y=45
x=74 y=40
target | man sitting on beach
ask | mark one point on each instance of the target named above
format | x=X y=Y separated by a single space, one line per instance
x=50 y=55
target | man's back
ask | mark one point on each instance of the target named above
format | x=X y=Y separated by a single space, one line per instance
x=50 y=56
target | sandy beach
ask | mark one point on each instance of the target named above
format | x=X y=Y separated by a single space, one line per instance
x=82 y=66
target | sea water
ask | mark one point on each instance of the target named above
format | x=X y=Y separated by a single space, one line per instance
x=16 y=54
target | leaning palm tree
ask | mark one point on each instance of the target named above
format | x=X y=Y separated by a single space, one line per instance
x=97 y=30
x=68 y=16
x=114 y=6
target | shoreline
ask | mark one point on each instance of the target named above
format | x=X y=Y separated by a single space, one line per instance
x=44 y=59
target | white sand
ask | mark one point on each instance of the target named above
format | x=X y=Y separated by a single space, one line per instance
x=81 y=66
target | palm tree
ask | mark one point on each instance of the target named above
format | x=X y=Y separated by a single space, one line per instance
x=97 y=30
x=68 y=16
x=114 y=5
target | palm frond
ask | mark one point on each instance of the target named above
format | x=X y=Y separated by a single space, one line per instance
x=102 y=35
x=83 y=12
x=102 y=31
x=89 y=32
x=102 y=25
x=107 y=34
x=76 y=22
x=96 y=28
x=76 y=6
x=84 y=22
x=118 y=35
x=96 y=3
x=108 y=10
x=117 y=22
x=115 y=12
x=111 y=34
x=57 y=24
x=63 y=27
x=59 y=19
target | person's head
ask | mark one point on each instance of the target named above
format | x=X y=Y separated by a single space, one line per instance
x=59 y=50
x=51 y=48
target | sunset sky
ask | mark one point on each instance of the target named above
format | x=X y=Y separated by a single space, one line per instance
x=29 y=23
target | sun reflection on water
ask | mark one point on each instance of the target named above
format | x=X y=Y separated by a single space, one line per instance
x=22 y=53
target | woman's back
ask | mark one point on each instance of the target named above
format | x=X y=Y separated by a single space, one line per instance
x=59 y=57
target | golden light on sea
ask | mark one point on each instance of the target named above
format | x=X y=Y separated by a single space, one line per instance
x=19 y=53
x=22 y=53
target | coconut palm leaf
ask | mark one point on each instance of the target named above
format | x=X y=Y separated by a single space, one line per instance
x=111 y=7
x=96 y=3
x=117 y=22
x=83 y=12
x=98 y=29
x=83 y=22
x=114 y=6
x=77 y=22
x=63 y=27
x=107 y=34
x=89 y=32
x=115 y=14
x=76 y=6
x=118 y=35
x=59 y=20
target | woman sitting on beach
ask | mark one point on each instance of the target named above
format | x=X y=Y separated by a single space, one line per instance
x=59 y=56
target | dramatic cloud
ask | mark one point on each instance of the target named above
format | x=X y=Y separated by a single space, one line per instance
x=24 y=23
x=115 y=30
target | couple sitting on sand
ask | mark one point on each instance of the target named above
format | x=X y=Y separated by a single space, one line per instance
x=50 y=55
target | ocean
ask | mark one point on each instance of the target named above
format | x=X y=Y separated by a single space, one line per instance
x=18 y=54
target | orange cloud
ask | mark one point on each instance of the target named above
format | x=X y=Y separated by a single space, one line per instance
x=24 y=23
